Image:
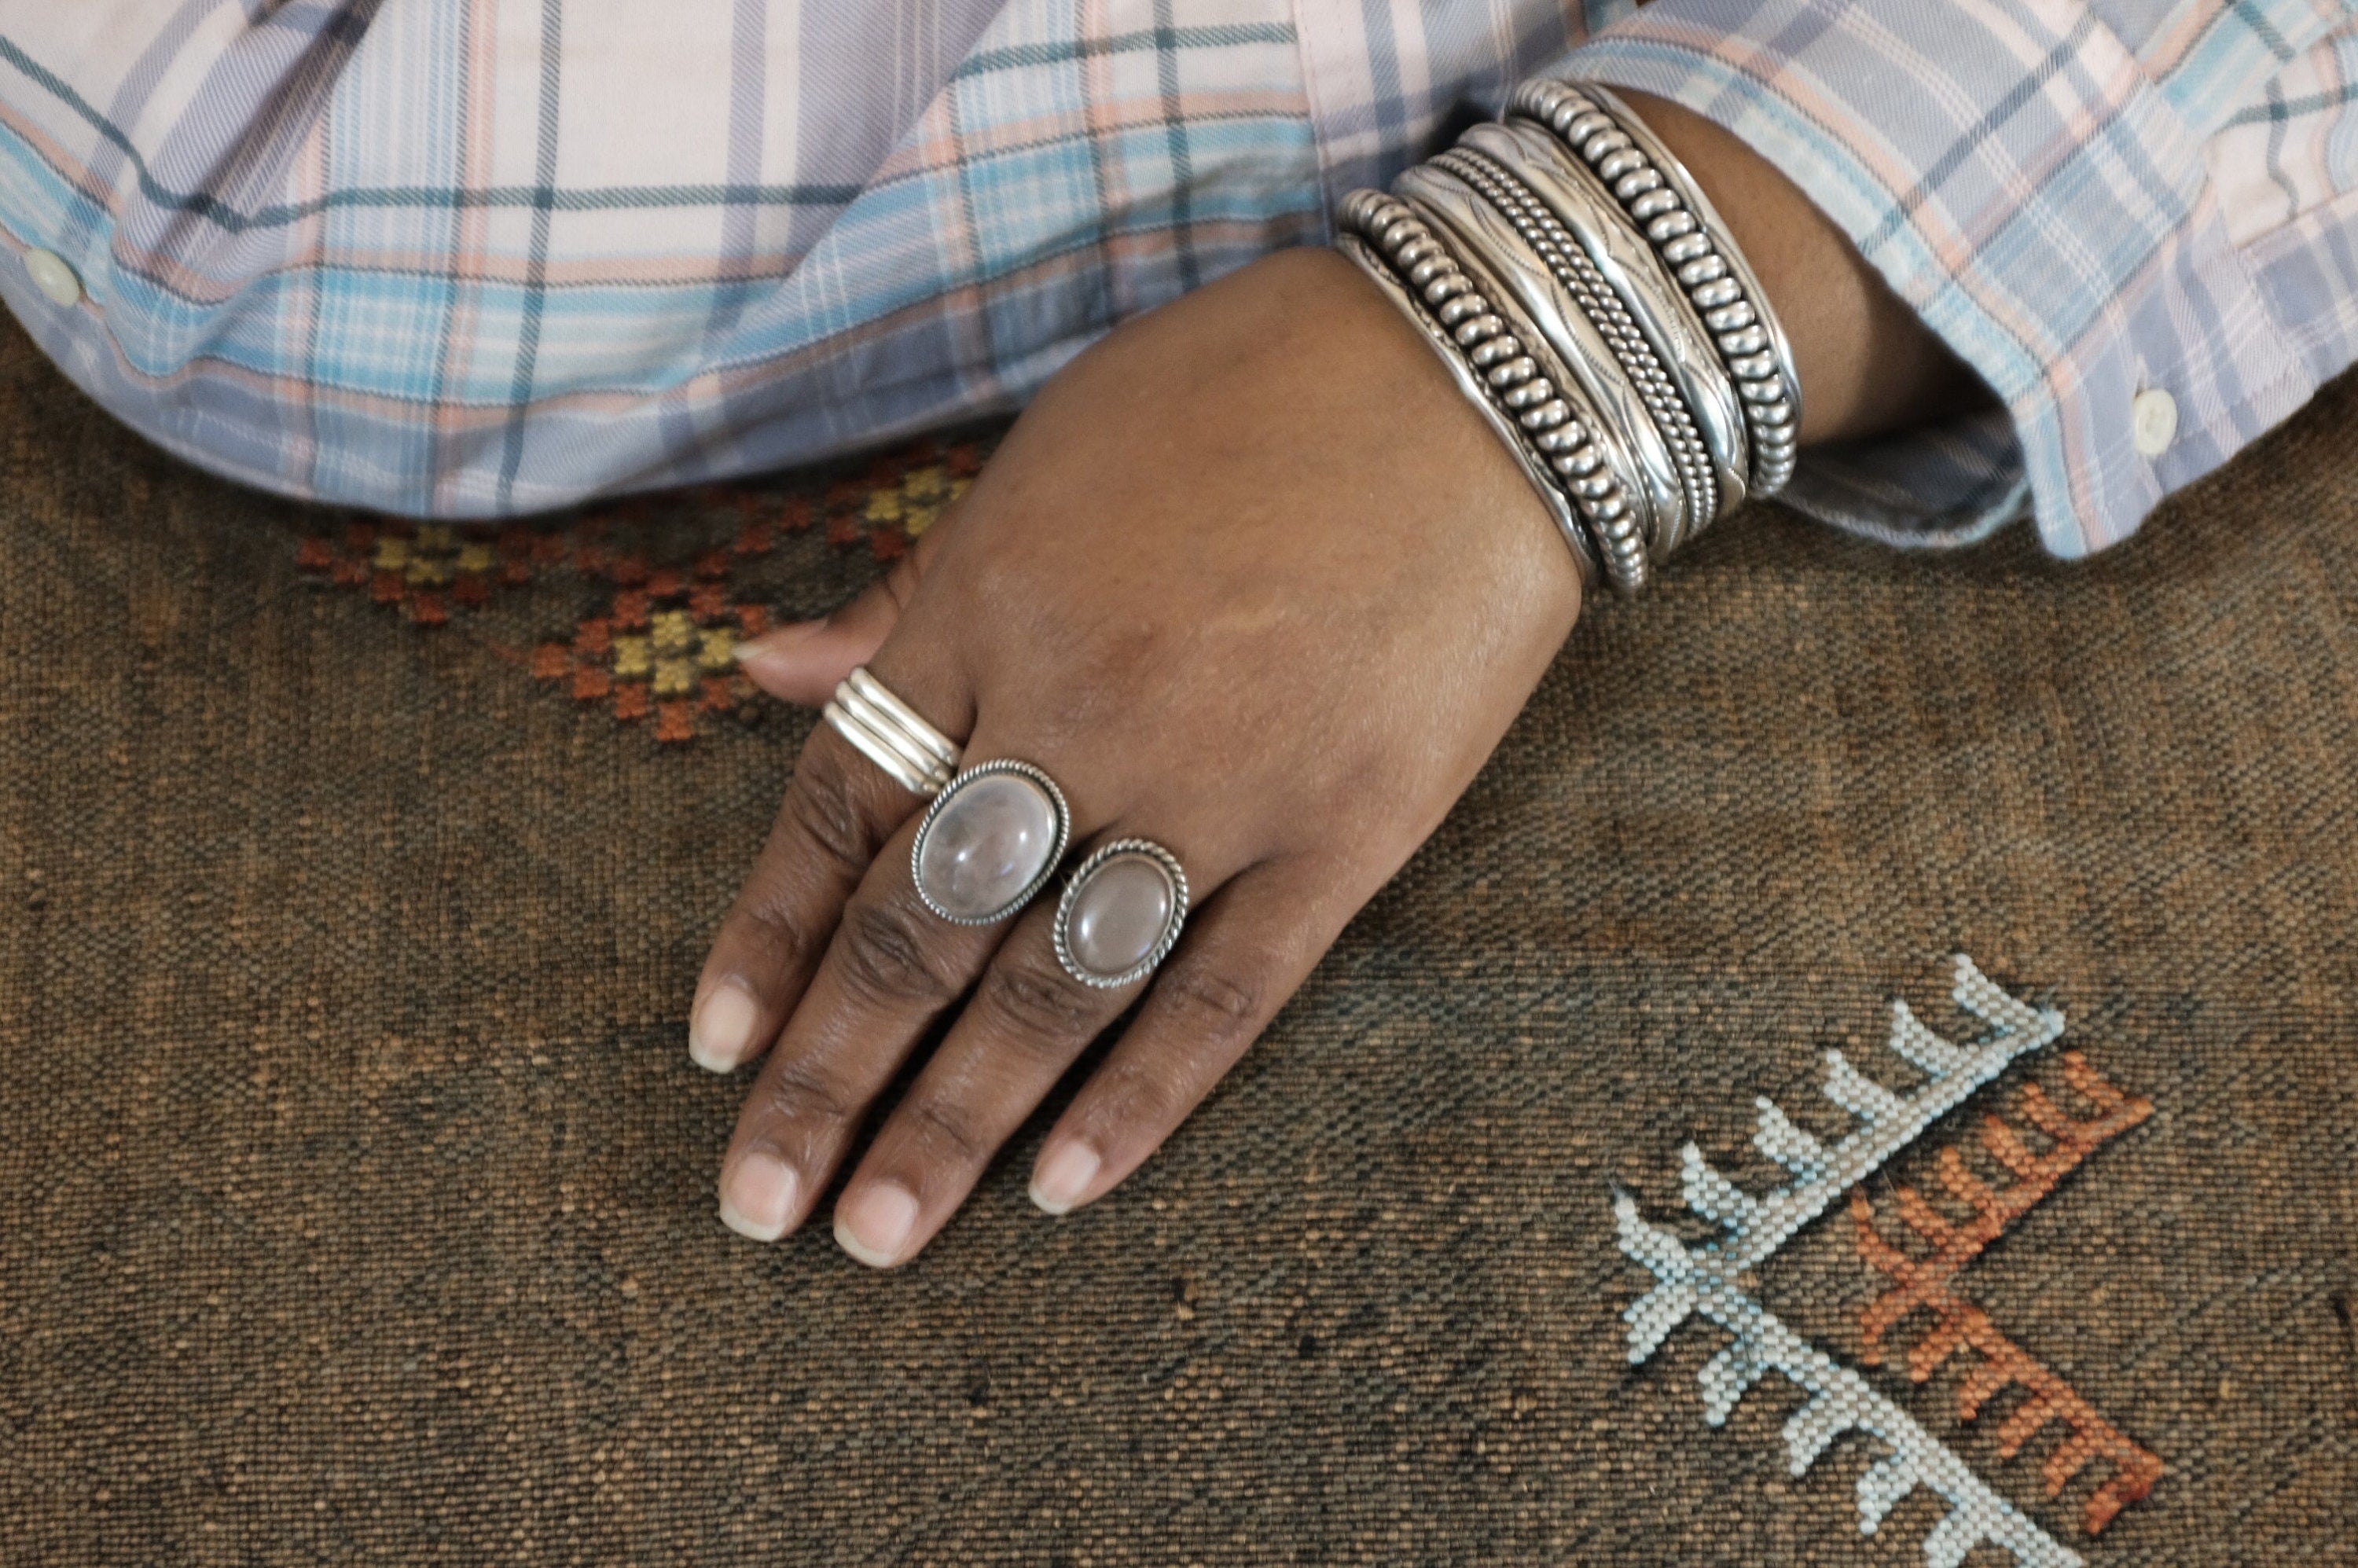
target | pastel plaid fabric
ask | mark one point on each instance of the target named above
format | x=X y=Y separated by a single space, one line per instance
x=472 y=258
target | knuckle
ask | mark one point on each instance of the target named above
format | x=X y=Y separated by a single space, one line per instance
x=824 y=812
x=1220 y=1003
x=942 y=1127
x=797 y=1092
x=777 y=931
x=901 y=582
x=1131 y=1095
x=1039 y=999
x=886 y=958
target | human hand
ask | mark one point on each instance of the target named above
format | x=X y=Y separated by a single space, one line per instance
x=1251 y=580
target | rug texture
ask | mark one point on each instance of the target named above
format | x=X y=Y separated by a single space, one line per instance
x=356 y=1191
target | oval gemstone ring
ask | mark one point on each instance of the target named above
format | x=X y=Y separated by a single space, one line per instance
x=1120 y=913
x=989 y=842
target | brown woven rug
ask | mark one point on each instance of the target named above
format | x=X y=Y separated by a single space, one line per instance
x=355 y=1189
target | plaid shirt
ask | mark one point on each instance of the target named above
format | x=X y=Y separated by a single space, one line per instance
x=470 y=257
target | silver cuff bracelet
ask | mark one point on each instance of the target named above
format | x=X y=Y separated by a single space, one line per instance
x=1591 y=303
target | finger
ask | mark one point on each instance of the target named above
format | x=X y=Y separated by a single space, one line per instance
x=892 y=969
x=1027 y=1024
x=802 y=662
x=1252 y=947
x=839 y=810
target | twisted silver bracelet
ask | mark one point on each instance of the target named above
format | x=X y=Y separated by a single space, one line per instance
x=1467 y=324
x=1626 y=437
x=1653 y=299
x=1587 y=298
x=1662 y=199
x=1563 y=255
x=1559 y=505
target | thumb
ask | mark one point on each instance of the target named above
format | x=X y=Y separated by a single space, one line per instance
x=802 y=661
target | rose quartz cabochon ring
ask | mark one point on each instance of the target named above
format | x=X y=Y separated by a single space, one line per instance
x=989 y=842
x=1120 y=913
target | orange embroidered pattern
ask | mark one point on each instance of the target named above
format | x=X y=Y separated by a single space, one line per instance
x=659 y=643
x=1928 y=1282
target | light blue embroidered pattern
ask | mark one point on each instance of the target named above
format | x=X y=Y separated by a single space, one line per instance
x=1703 y=1279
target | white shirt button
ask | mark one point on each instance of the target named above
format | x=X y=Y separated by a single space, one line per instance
x=2153 y=422
x=53 y=277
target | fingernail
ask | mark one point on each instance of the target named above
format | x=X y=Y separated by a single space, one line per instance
x=1064 y=1177
x=785 y=639
x=875 y=1225
x=757 y=1197
x=720 y=1035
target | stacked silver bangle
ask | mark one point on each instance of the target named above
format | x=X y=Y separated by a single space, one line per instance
x=1591 y=303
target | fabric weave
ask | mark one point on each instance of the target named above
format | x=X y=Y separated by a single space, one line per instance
x=356 y=1192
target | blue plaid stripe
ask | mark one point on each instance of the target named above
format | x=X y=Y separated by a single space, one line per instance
x=464 y=258
x=2027 y=180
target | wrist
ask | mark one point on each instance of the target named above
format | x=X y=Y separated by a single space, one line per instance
x=1370 y=380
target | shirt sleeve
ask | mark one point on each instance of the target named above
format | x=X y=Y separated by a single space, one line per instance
x=457 y=259
x=2023 y=179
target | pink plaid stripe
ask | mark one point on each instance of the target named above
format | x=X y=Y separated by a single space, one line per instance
x=430 y=258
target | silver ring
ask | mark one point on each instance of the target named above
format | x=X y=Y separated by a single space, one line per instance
x=888 y=731
x=892 y=734
x=1175 y=915
x=975 y=881
x=880 y=751
x=942 y=748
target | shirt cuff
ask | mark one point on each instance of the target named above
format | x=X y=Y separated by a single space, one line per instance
x=2014 y=173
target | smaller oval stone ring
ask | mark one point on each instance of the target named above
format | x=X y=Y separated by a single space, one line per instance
x=989 y=842
x=1120 y=913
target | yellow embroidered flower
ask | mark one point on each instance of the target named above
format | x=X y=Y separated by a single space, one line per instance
x=673 y=630
x=630 y=661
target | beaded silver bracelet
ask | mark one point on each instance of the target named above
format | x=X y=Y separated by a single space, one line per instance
x=1663 y=200
x=1627 y=435
x=1590 y=301
x=1534 y=466
x=1564 y=257
x=1580 y=466
x=1624 y=259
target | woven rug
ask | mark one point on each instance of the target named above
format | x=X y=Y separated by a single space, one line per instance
x=356 y=1189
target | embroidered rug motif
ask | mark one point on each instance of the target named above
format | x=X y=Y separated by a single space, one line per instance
x=635 y=606
x=1714 y=1280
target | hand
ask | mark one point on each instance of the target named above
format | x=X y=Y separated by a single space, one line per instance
x=1251 y=580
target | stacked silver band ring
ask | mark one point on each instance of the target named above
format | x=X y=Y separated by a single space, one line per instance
x=1120 y=913
x=892 y=734
x=1592 y=305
